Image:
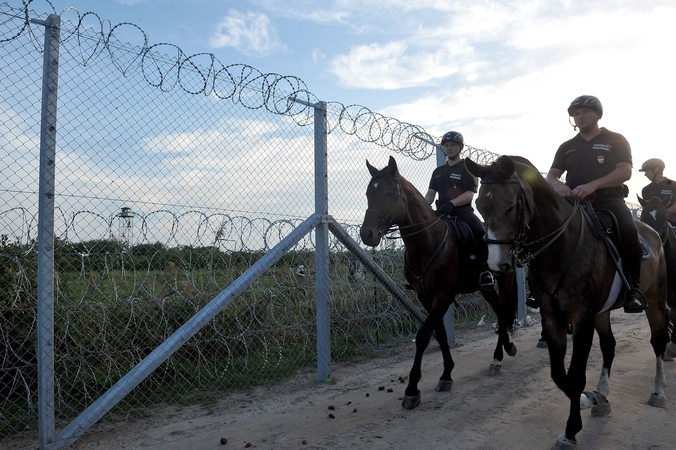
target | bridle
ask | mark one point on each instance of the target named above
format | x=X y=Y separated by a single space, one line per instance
x=522 y=249
x=386 y=226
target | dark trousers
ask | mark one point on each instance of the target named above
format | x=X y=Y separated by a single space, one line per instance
x=477 y=228
x=630 y=245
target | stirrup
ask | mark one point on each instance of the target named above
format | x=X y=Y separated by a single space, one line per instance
x=486 y=279
x=632 y=302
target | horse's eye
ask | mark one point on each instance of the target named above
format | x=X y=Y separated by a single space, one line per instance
x=510 y=209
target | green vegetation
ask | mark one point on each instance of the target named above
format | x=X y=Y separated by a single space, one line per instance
x=115 y=305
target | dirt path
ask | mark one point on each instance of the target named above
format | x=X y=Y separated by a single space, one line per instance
x=519 y=409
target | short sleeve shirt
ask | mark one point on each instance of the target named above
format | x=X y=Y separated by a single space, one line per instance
x=451 y=181
x=587 y=161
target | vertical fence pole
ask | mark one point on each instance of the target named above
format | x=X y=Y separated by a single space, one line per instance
x=45 y=293
x=322 y=245
x=448 y=317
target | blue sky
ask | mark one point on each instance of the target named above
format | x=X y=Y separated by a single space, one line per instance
x=502 y=72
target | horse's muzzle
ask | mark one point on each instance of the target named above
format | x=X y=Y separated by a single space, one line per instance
x=370 y=236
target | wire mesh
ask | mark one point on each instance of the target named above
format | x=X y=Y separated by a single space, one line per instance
x=175 y=174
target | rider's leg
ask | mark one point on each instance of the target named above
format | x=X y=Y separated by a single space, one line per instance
x=481 y=249
x=630 y=250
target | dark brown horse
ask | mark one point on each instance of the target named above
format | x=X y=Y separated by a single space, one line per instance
x=434 y=267
x=654 y=213
x=571 y=277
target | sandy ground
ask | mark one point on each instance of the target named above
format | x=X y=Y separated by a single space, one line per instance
x=521 y=408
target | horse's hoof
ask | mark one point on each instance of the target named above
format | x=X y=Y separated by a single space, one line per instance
x=600 y=406
x=442 y=386
x=671 y=349
x=542 y=344
x=411 y=401
x=512 y=350
x=494 y=370
x=601 y=410
x=657 y=400
x=563 y=443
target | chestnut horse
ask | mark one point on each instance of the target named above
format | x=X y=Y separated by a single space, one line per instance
x=434 y=267
x=655 y=214
x=571 y=280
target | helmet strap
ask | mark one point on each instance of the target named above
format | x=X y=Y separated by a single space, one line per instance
x=572 y=123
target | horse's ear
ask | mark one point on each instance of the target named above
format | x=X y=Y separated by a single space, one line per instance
x=506 y=165
x=372 y=170
x=641 y=201
x=392 y=166
x=473 y=168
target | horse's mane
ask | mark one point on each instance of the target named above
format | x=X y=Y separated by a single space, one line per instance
x=386 y=172
x=528 y=173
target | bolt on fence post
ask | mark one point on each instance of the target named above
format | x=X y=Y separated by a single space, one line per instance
x=45 y=294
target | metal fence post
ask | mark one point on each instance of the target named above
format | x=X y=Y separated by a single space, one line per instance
x=322 y=244
x=45 y=293
x=448 y=317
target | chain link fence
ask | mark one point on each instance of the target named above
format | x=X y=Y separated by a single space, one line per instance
x=174 y=175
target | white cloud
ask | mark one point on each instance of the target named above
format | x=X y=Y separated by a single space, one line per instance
x=392 y=66
x=249 y=33
x=318 y=55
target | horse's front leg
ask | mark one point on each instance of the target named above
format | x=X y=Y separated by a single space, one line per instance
x=598 y=399
x=574 y=381
x=504 y=304
x=434 y=321
x=445 y=381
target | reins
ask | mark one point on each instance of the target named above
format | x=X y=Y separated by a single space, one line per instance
x=389 y=228
x=519 y=243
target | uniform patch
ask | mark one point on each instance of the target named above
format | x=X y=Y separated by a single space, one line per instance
x=602 y=147
x=600 y=159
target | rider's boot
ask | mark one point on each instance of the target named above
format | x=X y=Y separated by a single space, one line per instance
x=634 y=300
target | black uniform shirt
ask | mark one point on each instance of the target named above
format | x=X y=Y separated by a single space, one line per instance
x=666 y=189
x=451 y=181
x=587 y=161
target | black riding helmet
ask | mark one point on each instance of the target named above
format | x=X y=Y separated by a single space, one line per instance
x=589 y=101
x=455 y=137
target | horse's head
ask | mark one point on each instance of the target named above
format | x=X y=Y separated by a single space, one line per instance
x=655 y=214
x=505 y=201
x=385 y=203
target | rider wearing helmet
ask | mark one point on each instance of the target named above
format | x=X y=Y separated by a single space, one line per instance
x=660 y=186
x=597 y=162
x=456 y=189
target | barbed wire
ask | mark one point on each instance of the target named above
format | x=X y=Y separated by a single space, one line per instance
x=86 y=37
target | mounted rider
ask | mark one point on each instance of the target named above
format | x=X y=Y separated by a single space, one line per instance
x=456 y=189
x=598 y=162
x=660 y=186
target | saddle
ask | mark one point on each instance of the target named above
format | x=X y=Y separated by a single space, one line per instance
x=604 y=223
x=460 y=233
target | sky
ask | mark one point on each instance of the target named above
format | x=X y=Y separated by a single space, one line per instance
x=502 y=72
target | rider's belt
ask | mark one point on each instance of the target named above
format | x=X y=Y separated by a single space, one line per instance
x=617 y=190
